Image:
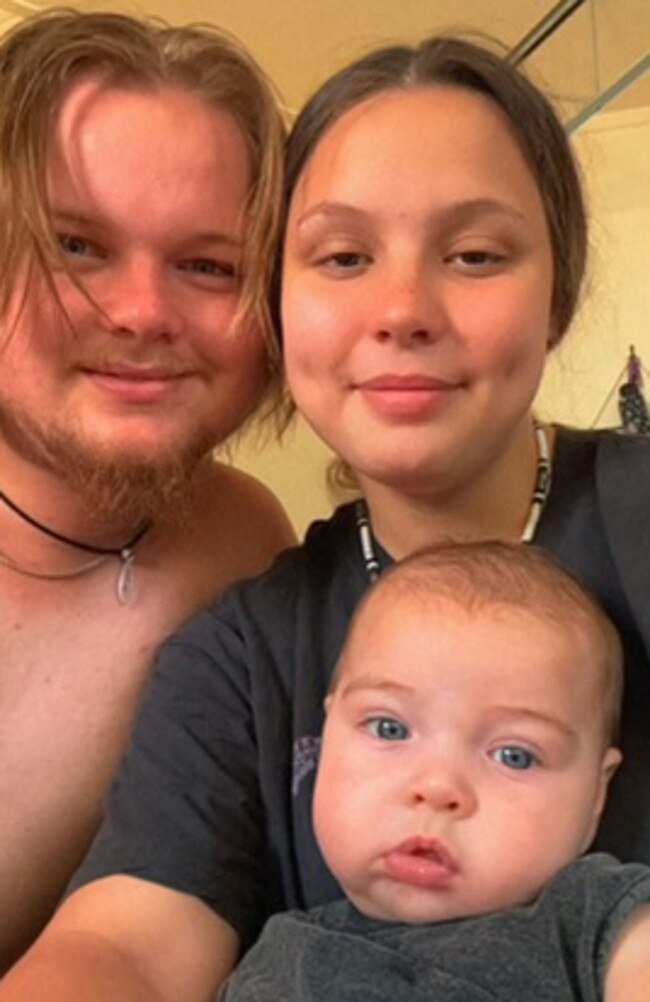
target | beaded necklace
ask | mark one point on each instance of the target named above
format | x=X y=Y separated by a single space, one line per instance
x=541 y=491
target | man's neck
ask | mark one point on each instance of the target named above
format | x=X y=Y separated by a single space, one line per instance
x=49 y=500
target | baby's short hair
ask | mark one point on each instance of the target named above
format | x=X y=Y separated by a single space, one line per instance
x=479 y=575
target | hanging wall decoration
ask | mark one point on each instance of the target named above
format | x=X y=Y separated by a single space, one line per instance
x=632 y=405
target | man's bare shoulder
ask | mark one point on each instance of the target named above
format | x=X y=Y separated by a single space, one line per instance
x=239 y=524
x=628 y=974
x=238 y=494
x=70 y=651
x=105 y=943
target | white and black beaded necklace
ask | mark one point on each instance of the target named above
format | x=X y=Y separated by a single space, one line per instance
x=539 y=498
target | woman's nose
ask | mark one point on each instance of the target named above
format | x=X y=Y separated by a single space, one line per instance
x=410 y=311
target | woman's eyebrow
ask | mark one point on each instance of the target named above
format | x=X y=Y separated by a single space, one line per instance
x=473 y=208
x=456 y=213
x=331 y=210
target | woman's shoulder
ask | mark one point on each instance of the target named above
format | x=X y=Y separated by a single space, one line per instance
x=603 y=441
x=328 y=556
x=611 y=458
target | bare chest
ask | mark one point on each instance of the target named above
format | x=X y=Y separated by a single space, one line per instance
x=70 y=681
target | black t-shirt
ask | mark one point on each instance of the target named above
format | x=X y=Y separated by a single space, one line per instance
x=556 y=949
x=214 y=796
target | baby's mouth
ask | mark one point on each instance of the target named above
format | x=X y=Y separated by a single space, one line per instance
x=422 y=862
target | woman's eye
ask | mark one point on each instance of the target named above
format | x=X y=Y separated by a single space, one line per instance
x=515 y=758
x=479 y=260
x=388 y=729
x=479 y=257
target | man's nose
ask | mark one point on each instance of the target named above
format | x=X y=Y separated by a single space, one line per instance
x=140 y=302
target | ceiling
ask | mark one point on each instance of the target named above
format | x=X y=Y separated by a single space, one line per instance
x=299 y=42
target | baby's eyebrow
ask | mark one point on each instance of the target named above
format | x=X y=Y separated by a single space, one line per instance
x=534 y=716
x=375 y=684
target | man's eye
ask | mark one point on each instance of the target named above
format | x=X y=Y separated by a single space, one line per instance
x=388 y=729
x=515 y=758
x=71 y=244
x=209 y=268
x=344 y=261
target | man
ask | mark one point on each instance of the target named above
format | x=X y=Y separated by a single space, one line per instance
x=139 y=188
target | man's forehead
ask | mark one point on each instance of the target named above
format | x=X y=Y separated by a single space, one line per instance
x=104 y=127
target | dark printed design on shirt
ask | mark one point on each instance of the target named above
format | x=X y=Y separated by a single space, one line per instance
x=305 y=759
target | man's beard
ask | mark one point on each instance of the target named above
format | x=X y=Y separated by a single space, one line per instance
x=125 y=489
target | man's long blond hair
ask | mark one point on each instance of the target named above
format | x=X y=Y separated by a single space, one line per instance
x=44 y=56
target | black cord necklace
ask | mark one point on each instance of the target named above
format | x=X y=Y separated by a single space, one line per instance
x=125 y=554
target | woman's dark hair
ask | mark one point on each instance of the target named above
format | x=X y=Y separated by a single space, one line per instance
x=442 y=61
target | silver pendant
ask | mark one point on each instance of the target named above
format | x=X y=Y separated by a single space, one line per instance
x=126 y=578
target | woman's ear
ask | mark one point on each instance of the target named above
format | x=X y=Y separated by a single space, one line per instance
x=554 y=336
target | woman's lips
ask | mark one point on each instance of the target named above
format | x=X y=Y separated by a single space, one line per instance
x=411 y=396
x=422 y=862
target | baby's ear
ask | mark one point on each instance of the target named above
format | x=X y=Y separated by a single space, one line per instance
x=611 y=761
x=612 y=758
x=327 y=702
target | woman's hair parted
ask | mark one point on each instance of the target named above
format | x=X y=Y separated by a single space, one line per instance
x=44 y=56
x=454 y=62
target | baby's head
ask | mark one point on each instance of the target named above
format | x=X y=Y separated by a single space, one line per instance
x=470 y=733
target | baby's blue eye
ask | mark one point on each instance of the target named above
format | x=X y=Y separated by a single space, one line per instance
x=515 y=758
x=388 y=729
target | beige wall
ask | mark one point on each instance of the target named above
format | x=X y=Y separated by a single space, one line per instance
x=614 y=150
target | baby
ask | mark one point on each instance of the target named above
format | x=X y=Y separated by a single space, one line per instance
x=466 y=754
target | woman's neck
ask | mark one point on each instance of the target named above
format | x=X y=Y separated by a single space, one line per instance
x=495 y=503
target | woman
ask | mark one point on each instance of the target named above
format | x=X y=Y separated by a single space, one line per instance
x=435 y=247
